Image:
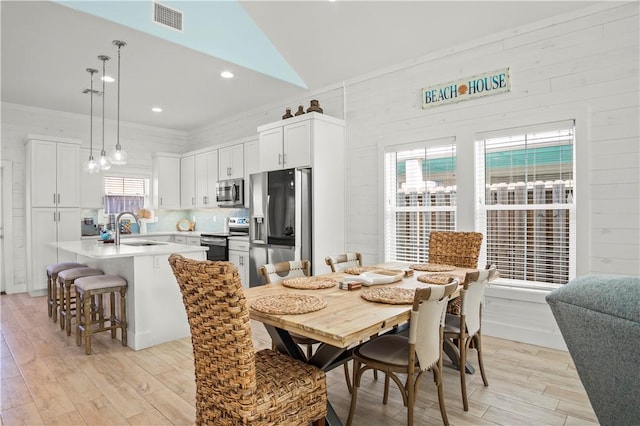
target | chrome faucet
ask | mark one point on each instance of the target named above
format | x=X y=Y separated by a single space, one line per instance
x=116 y=240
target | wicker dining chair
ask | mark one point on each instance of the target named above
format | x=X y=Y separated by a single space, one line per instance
x=421 y=351
x=234 y=384
x=276 y=272
x=463 y=331
x=342 y=261
x=455 y=248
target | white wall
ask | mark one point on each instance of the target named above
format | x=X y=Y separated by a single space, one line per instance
x=18 y=121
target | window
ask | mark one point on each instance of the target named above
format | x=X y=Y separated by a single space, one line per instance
x=123 y=194
x=420 y=196
x=525 y=183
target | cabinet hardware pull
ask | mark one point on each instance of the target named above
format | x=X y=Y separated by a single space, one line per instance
x=279 y=158
x=284 y=159
x=54 y=216
x=58 y=198
x=58 y=216
x=161 y=201
x=193 y=201
x=54 y=198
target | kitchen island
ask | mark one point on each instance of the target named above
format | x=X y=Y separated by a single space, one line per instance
x=155 y=311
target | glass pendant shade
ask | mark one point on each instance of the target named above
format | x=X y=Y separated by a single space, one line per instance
x=91 y=165
x=118 y=156
x=105 y=163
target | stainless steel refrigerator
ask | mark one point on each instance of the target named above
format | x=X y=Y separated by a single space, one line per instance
x=280 y=211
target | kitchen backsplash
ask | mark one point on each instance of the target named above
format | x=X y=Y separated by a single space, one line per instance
x=211 y=220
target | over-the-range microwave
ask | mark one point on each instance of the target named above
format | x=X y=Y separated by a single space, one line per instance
x=230 y=193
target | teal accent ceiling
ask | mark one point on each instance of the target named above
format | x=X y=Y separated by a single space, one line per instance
x=222 y=29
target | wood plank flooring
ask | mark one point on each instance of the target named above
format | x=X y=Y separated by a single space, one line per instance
x=47 y=379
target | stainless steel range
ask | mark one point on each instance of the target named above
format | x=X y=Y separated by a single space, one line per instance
x=218 y=242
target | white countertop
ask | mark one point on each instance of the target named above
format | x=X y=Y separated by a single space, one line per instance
x=99 y=250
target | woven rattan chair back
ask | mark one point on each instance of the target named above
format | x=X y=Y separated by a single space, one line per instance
x=273 y=273
x=224 y=361
x=455 y=248
x=234 y=384
x=340 y=262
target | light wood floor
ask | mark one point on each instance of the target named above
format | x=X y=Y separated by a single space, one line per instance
x=47 y=379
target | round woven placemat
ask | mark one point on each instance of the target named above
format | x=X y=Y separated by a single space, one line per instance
x=357 y=270
x=435 y=278
x=309 y=283
x=432 y=267
x=288 y=304
x=389 y=295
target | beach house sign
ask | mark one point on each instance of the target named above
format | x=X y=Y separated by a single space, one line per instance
x=486 y=84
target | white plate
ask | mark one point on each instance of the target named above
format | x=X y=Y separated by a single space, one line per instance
x=377 y=277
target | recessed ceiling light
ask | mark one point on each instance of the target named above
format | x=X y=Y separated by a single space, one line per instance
x=107 y=79
x=156 y=109
x=226 y=74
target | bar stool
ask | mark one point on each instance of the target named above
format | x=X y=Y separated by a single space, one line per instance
x=52 y=286
x=66 y=279
x=95 y=286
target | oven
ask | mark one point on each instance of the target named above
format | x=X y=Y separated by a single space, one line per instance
x=218 y=248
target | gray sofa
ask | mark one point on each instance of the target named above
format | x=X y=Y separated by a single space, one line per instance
x=599 y=317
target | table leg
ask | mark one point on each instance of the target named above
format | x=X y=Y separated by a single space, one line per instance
x=453 y=356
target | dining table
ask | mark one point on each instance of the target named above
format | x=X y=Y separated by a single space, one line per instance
x=344 y=320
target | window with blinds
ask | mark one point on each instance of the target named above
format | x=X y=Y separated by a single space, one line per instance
x=525 y=183
x=420 y=196
x=123 y=194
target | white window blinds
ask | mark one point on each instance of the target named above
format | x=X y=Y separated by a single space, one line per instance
x=525 y=184
x=123 y=194
x=420 y=196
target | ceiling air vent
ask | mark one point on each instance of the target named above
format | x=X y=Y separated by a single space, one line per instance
x=166 y=16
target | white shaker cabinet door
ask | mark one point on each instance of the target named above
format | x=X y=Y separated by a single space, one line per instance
x=43 y=174
x=206 y=179
x=187 y=182
x=68 y=175
x=43 y=254
x=231 y=162
x=270 y=150
x=297 y=145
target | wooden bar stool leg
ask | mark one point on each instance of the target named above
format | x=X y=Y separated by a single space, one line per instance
x=123 y=315
x=87 y=323
x=53 y=311
x=63 y=303
x=49 y=296
x=112 y=313
x=67 y=301
x=80 y=313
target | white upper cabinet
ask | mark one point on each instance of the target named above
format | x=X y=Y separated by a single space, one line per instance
x=286 y=144
x=187 y=182
x=55 y=173
x=166 y=181
x=206 y=179
x=231 y=162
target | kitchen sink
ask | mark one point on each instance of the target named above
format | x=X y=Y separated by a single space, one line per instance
x=142 y=243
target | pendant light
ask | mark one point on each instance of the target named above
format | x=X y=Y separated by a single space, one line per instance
x=91 y=165
x=104 y=162
x=118 y=155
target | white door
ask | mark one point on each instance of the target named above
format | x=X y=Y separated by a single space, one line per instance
x=43 y=174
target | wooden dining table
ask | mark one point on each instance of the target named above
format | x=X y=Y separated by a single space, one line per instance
x=345 y=322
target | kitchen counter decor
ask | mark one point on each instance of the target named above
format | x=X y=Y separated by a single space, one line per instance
x=432 y=267
x=288 y=304
x=309 y=283
x=389 y=295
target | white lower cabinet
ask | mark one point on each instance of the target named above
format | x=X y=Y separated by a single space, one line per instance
x=239 y=256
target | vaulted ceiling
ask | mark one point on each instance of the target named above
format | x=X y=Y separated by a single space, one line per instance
x=277 y=50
